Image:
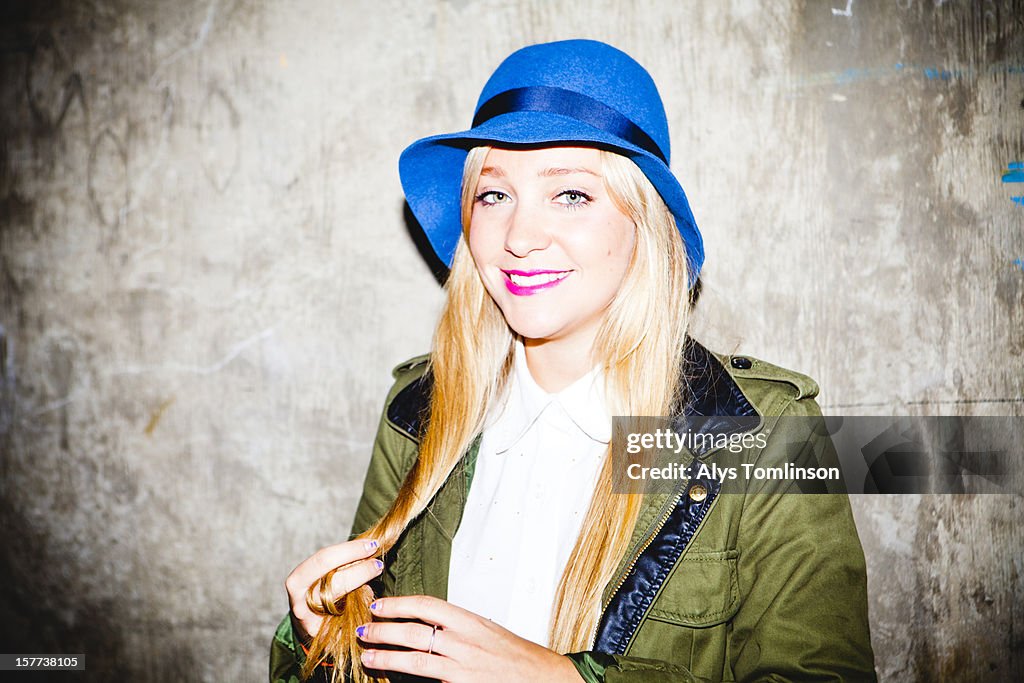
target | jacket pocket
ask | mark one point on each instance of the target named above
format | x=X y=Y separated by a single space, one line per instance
x=702 y=590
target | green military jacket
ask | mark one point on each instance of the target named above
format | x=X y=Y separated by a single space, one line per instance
x=748 y=585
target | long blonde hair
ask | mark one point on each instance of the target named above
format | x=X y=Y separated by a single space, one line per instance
x=639 y=346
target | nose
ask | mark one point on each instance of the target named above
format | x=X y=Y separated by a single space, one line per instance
x=526 y=231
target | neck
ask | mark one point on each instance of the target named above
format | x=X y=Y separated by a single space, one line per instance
x=555 y=364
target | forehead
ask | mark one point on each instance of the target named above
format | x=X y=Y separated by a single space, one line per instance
x=530 y=160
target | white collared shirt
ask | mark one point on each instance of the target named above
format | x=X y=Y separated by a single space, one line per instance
x=538 y=462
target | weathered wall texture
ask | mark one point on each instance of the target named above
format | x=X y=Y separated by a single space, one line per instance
x=205 y=277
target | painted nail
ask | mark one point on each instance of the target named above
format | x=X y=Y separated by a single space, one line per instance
x=378 y=564
x=372 y=545
x=375 y=605
x=367 y=656
x=361 y=631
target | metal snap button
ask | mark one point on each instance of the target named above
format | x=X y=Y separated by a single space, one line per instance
x=698 y=493
x=741 y=363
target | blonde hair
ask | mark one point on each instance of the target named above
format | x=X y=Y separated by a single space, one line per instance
x=639 y=346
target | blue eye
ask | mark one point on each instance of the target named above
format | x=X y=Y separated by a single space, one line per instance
x=574 y=198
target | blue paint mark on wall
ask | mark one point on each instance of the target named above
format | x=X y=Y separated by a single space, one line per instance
x=942 y=74
x=853 y=75
x=1018 y=200
x=1016 y=172
x=1019 y=263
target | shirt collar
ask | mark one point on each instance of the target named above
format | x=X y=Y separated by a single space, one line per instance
x=525 y=401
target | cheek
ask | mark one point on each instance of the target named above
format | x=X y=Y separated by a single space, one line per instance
x=620 y=245
x=483 y=238
x=477 y=244
x=473 y=238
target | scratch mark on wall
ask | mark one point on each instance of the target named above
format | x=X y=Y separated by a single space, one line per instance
x=49 y=102
x=232 y=353
x=52 y=406
x=157 y=414
x=848 y=12
x=219 y=138
x=6 y=358
x=140 y=179
x=107 y=178
x=6 y=381
x=200 y=39
x=157 y=82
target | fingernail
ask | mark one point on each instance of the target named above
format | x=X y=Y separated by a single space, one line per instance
x=378 y=564
x=367 y=656
x=375 y=605
x=361 y=631
x=372 y=545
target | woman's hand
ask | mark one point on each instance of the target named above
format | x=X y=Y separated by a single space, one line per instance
x=354 y=565
x=463 y=647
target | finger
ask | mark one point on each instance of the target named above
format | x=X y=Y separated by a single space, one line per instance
x=347 y=579
x=338 y=583
x=425 y=608
x=412 y=635
x=324 y=560
x=414 y=662
x=306 y=627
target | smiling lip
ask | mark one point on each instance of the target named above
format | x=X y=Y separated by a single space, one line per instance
x=533 y=281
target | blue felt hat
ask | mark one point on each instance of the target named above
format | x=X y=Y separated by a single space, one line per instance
x=571 y=91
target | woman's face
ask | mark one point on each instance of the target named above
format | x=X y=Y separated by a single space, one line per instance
x=549 y=242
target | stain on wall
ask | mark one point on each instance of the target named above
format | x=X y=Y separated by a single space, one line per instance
x=206 y=276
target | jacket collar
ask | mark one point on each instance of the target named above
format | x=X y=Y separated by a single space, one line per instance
x=712 y=392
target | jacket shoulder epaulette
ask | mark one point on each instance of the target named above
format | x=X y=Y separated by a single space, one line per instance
x=417 y=363
x=743 y=367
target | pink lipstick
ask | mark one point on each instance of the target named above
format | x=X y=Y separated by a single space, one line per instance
x=529 y=282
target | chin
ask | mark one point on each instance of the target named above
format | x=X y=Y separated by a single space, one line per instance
x=530 y=327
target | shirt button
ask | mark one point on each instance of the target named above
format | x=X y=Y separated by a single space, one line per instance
x=741 y=363
x=698 y=493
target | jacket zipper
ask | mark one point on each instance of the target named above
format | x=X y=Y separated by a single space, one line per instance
x=646 y=545
x=636 y=557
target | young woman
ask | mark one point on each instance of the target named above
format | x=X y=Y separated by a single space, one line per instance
x=490 y=543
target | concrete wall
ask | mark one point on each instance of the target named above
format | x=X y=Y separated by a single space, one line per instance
x=205 y=277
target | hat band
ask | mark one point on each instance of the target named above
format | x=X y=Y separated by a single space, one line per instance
x=572 y=104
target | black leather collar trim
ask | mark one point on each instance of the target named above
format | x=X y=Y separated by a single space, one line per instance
x=716 y=403
x=408 y=409
x=711 y=389
x=712 y=392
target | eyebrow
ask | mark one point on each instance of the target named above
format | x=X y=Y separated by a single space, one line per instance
x=499 y=172
x=548 y=172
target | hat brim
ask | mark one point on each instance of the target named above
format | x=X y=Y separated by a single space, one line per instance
x=431 y=173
